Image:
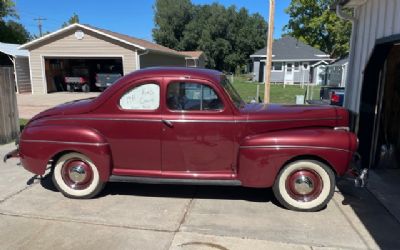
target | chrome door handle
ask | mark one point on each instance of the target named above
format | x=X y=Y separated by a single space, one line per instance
x=168 y=123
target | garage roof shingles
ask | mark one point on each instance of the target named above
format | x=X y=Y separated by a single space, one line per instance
x=134 y=40
x=289 y=48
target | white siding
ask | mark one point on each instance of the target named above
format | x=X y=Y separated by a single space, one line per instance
x=376 y=19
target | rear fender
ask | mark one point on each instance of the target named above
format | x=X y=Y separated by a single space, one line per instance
x=261 y=157
x=40 y=144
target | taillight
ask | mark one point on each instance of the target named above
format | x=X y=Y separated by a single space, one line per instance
x=335 y=98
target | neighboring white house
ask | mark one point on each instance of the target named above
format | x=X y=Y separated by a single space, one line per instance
x=293 y=62
x=336 y=72
x=11 y=56
x=373 y=82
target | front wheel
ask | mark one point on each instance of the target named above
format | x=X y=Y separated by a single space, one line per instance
x=305 y=185
x=86 y=88
x=76 y=176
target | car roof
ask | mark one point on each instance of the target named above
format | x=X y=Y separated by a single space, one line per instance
x=208 y=74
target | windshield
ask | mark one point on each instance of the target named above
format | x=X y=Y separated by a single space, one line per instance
x=234 y=95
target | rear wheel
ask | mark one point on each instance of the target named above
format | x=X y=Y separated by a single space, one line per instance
x=305 y=185
x=76 y=176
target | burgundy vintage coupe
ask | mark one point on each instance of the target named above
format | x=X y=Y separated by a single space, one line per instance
x=189 y=126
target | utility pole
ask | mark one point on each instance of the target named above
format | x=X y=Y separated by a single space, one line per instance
x=39 y=20
x=270 y=41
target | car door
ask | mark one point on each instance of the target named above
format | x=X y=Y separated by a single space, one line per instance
x=197 y=131
x=135 y=127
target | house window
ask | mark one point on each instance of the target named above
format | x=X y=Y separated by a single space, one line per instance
x=289 y=67
x=296 y=66
x=277 y=66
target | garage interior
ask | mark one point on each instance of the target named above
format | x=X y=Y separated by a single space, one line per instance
x=56 y=69
x=379 y=123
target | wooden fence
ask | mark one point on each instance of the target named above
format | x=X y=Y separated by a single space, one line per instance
x=9 y=119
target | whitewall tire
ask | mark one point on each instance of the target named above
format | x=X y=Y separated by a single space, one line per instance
x=76 y=176
x=305 y=185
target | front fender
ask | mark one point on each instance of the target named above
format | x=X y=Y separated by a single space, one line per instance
x=39 y=144
x=262 y=156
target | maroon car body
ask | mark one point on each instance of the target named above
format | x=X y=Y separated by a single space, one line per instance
x=237 y=144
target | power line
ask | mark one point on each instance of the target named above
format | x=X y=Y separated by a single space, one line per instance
x=39 y=20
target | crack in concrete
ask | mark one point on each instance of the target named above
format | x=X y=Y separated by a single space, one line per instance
x=183 y=219
x=52 y=219
x=18 y=192
x=351 y=223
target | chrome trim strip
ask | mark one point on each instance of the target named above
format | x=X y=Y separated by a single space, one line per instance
x=293 y=120
x=165 y=180
x=342 y=129
x=198 y=120
x=69 y=143
x=105 y=119
x=203 y=121
x=294 y=146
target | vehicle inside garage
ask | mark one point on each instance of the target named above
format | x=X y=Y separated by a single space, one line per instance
x=79 y=74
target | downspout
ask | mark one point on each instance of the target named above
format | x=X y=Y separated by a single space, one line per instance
x=145 y=52
x=354 y=23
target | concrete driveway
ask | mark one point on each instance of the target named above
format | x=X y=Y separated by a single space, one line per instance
x=33 y=215
x=30 y=105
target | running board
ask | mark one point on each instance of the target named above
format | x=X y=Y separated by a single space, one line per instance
x=151 y=180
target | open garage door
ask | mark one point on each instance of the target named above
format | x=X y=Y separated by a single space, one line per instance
x=80 y=74
x=379 y=121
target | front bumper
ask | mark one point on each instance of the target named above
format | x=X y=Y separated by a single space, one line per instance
x=357 y=174
x=12 y=154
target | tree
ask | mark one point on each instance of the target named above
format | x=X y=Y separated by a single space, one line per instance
x=10 y=30
x=7 y=9
x=313 y=23
x=170 y=18
x=73 y=19
x=227 y=36
x=13 y=32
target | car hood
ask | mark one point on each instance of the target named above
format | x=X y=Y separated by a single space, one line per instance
x=278 y=112
x=74 y=107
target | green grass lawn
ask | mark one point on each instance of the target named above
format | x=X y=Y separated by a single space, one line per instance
x=22 y=123
x=279 y=93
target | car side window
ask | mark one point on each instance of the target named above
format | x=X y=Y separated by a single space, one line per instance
x=143 y=97
x=186 y=96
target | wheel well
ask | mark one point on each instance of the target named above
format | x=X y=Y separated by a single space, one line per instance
x=311 y=157
x=57 y=156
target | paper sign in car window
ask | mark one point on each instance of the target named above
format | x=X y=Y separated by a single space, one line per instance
x=143 y=97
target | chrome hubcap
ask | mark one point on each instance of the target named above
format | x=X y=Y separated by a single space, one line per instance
x=77 y=174
x=304 y=185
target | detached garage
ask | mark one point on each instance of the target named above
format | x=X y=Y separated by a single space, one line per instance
x=83 y=52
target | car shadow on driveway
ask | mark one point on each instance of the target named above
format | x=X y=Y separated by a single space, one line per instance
x=177 y=191
x=380 y=224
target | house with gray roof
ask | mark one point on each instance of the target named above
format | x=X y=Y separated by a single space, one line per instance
x=293 y=62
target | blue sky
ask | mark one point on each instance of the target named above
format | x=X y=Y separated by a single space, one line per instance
x=129 y=17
